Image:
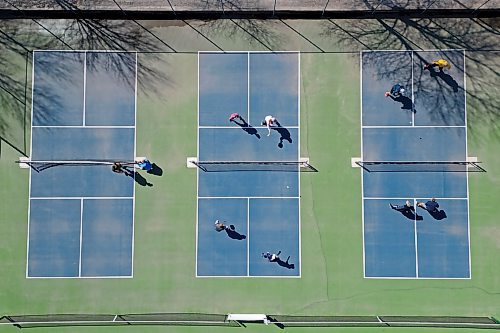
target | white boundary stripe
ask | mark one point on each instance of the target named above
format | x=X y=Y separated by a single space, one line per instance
x=415 y=237
x=245 y=52
x=250 y=276
x=402 y=198
x=83 y=50
x=298 y=148
x=248 y=236
x=412 y=92
x=135 y=154
x=248 y=87
x=362 y=157
x=82 y=277
x=413 y=278
x=85 y=198
x=31 y=154
x=84 y=86
x=81 y=238
x=80 y=126
x=467 y=176
x=197 y=169
x=427 y=50
x=416 y=126
x=240 y=127
x=249 y=197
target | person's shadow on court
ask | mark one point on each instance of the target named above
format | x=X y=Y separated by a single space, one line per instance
x=438 y=214
x=406 y=103
x=139 y=179
x=247 y=127
x=232 y=233
x=447 y=78
x=156 y=170
x=284 y=134
x=410 y=214
x=285 y=264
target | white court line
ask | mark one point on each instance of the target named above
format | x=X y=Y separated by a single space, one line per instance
x=251 y=276
x=403 y=198
x=81 y=237
x=84 y=86
x=248 y=236
x=416 y=126
x=362 y=158
x=84 y=50
x=467 y=176
x=240 y=127
x=298 y=148
x=31 y=154
x=414 y=278
x=249 y=197
x=415 y=238
x=82 y=277
x=244 y=52
x=412 y=93
x=197 y=169
x=248 y=87
x=429 y=50
x=80 y=197
x=80 y=126
x=135 y=154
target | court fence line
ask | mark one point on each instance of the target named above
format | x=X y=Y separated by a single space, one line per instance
x=223 y=320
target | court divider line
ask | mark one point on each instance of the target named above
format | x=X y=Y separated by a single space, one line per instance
x=429 y=50
x=362 y=158
x=135 y=155
x=401 y=198
x=80 y=126
x=412 y=92
x=30 y=169
x=250 y=197
x=82 y=277
x=415 y=239
x=197 y=170
x=414 y=278
x=84 y=86
x=417 y=126
x=299 y=152
x=467 y=176
x=248 y=236
x=82 y=197
x=248 y=87
x=81 y=237
x=240 y=127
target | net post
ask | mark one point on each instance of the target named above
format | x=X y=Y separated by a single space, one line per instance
x=23 y=162
x=355 y=162
x=191 y=162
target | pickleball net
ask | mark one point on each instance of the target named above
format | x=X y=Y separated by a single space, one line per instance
x=39 y=165
x=229 y=166
x=420 y=166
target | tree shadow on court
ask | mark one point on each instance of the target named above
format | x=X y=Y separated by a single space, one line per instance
x=284 y=134
x=247 y=127
x=156 y=170
x=479 y=37
x=255 y=32
x=233 y=234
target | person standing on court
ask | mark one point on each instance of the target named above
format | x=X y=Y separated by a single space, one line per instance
x=431 y=206
x=397 y=90
x=406 y=208
x=441 y=63
x=235 y=115
x=269 y=121
x=219 y=226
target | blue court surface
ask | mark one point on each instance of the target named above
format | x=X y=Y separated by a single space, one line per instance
x=427 y=123
x=262 y=205
x=81 y=217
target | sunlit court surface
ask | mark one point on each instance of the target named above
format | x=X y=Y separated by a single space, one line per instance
x=142 y=188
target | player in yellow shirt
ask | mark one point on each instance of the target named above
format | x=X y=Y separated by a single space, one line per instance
x=441 y=63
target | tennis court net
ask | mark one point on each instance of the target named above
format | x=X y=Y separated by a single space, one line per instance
x=420 y=166
x=39 y=166
x=229 y=166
